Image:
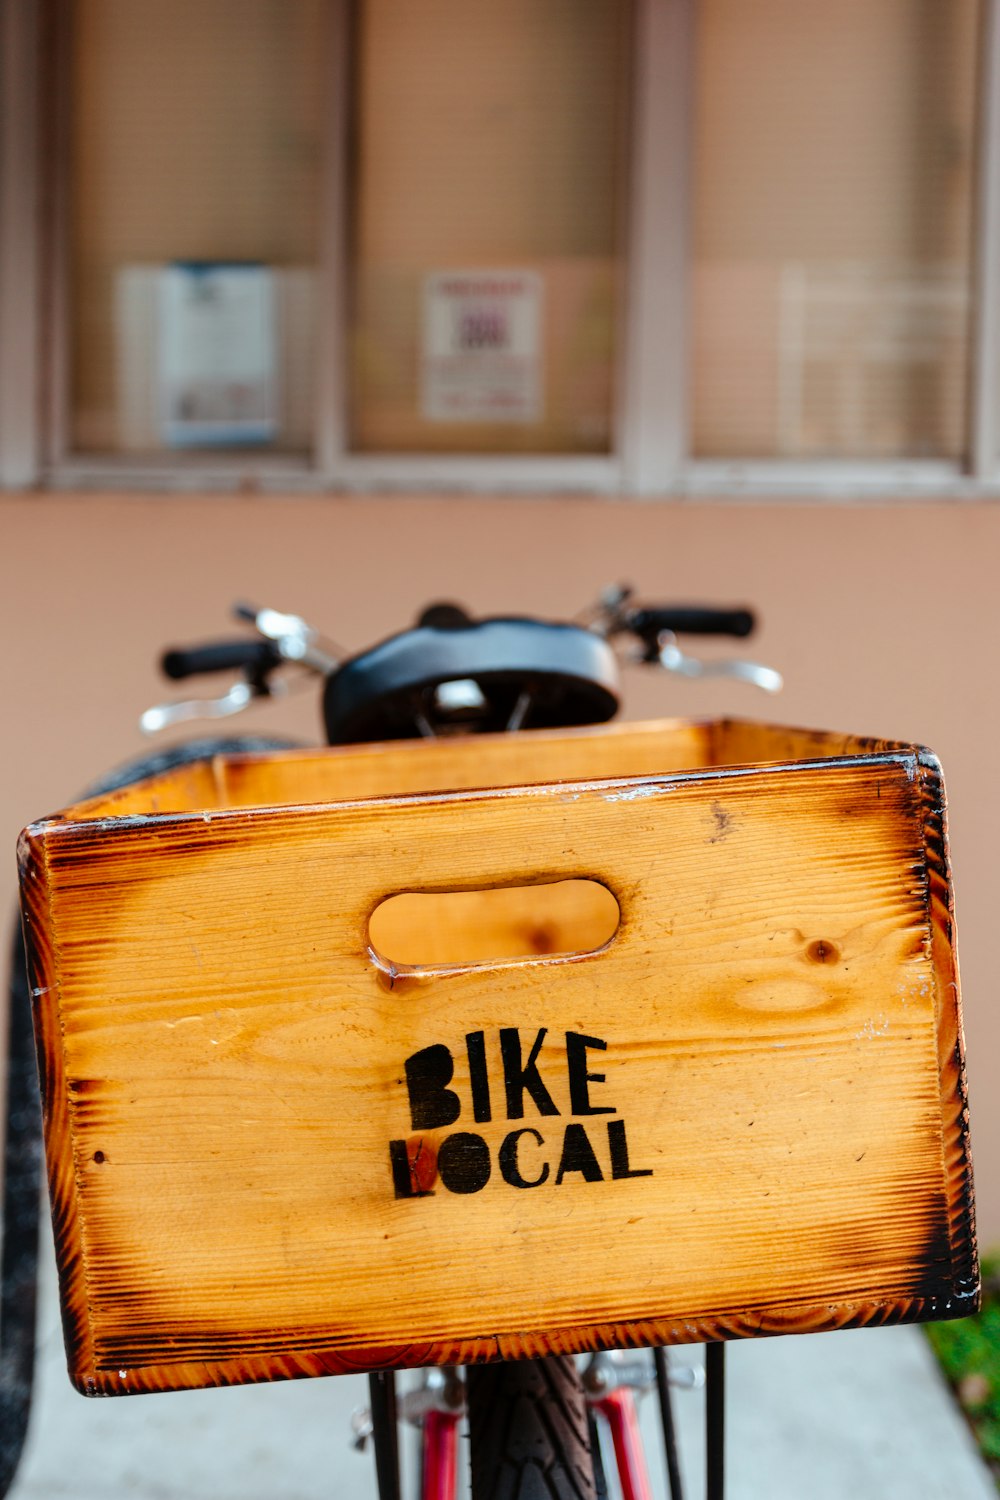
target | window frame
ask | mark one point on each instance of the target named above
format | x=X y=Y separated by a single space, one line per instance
x=20 y=244
x=650 y=456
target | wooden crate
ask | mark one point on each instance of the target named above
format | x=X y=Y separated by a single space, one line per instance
x=274 y=1151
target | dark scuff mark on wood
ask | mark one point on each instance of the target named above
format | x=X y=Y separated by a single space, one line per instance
x=723 y=821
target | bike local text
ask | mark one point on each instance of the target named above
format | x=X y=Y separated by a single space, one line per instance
x=577 y=1150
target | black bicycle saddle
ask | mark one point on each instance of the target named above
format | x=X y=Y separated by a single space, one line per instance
x=450 y=672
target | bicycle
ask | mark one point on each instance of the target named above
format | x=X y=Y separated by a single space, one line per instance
x=532 y=1422
x=450 y=674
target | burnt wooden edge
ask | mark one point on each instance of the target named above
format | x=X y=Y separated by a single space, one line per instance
x=57 y=1122
x=808 y=1317
x=102 y=805
x=813 y=744
x=962 y=1284
x=823 y=743
x=59 y=830
x=98 y=806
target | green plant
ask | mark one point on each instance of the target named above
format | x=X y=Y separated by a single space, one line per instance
x=968 y=1351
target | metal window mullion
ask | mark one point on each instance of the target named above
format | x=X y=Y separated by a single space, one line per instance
x=20 y=239
x=984 y=392
x=356 y=473
x=56 y=330
x=331 y=419
x=656 y=375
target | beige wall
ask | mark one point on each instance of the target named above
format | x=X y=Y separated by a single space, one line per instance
x=883 y=618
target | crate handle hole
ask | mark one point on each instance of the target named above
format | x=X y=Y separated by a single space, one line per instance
x=452 y=929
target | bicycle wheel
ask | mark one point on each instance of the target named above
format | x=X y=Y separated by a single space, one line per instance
x=528 y=1431
x=22 y=1135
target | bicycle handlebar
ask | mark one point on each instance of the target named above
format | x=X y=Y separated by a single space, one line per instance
x=256 y=658
x=473 y=651
x=650 y=620
x=219 y=656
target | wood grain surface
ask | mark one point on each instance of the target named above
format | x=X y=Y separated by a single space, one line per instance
x=349 y=772
x=273 y=1154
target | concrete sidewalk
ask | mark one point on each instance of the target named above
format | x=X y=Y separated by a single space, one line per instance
x=860 y=1415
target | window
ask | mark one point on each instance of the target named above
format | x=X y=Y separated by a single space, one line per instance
x=195 y=159
x=833 y=195
x=486 y=225
x=632 y=246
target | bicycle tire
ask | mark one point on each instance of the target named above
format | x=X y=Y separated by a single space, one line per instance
x=22 y=1131
x=155 y=762
x=528 y=1431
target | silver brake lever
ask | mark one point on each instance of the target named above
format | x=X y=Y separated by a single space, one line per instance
x=163 y=715
x=673 y=659
x=239 y=697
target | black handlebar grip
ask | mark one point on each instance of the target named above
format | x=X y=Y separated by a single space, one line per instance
x=218 y=656
x=685 y=619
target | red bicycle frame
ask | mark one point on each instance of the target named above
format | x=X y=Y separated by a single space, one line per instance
x=618 y=1408
x=440 y=1455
